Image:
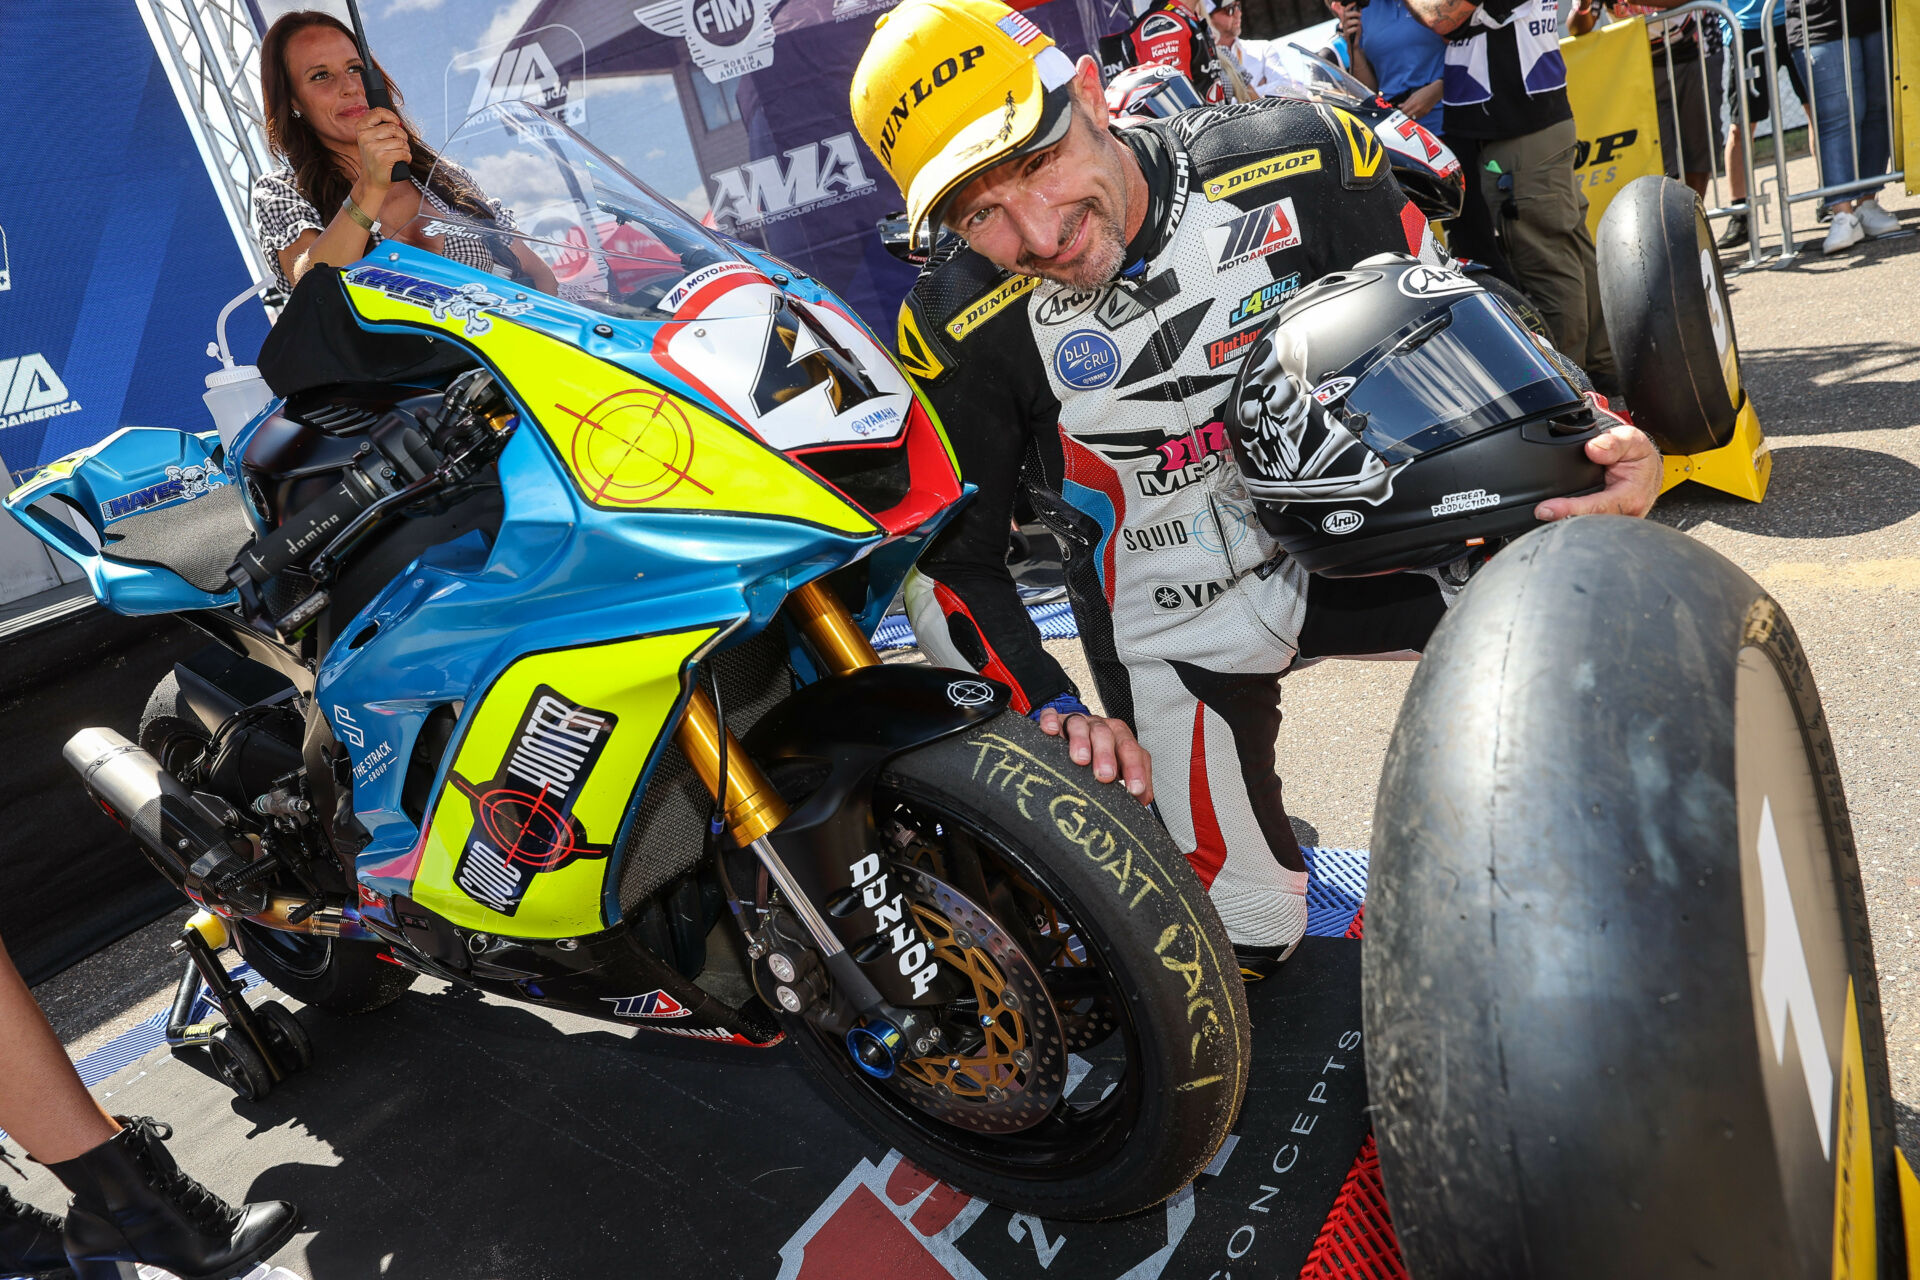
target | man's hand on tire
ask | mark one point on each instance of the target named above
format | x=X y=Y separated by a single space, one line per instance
x=1108 y=745
x=1633 y=478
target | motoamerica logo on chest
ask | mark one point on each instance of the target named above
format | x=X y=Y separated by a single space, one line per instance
x=523 y=819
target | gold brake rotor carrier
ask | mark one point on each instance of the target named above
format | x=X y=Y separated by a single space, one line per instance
x=1013 y=1078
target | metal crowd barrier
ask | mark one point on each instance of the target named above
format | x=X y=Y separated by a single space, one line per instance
x=1710 y=102
x=1786 y=197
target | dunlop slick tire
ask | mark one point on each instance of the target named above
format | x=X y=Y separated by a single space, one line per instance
x=1610 y=784
x=1655 y=252
x=1180 y=1129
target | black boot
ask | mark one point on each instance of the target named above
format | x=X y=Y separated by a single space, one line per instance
x=30 y=1241
x=132 y=1204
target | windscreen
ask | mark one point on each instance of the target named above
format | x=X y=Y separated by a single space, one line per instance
x=517 y=189
x=1314 y=78
x=1467 y=371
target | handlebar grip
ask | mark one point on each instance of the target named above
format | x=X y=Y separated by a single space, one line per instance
x=307 y=529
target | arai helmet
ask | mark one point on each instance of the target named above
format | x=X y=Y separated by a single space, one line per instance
x=1395 y=416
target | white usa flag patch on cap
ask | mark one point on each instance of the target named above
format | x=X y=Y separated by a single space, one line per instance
x=1019 y=28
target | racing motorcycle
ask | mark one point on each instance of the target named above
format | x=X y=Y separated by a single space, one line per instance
x=540 y=663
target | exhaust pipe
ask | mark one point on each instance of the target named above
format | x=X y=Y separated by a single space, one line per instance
x=181 y=836
x=175 y=829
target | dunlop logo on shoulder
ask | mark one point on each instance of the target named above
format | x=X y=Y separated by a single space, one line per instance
x=919 y=91
x=1263 y=171
x=982 y=309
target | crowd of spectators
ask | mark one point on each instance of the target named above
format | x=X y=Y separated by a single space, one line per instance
x=1489 y=81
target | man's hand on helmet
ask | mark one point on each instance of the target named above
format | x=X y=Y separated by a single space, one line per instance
x=1633 y=478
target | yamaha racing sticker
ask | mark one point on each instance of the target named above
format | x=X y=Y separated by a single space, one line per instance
x=523 y=820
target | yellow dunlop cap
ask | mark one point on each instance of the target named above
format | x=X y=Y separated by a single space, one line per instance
x=948 y=88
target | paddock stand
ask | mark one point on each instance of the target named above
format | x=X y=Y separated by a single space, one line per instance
x=253 y=1049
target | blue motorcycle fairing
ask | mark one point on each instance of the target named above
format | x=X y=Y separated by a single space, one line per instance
x=136 y=471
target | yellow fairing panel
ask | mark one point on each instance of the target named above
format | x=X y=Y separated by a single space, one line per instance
x=522 y=832
x=628 y=444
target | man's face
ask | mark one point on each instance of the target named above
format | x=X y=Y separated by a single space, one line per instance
x=1059 y=214
x=1226 y=22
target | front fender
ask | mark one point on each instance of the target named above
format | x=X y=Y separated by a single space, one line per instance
x=853 y=724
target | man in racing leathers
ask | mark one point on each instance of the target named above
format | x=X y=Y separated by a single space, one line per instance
x=1085 y=343
x=1173 y=33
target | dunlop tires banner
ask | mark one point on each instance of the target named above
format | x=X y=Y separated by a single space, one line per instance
x=1610 y=84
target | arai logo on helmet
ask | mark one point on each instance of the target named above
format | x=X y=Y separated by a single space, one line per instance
x=1086 y=360
x=1432 y=282
x=1332 y=389
x=1340 y=522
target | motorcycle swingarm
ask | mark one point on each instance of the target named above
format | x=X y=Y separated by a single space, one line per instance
x=853 y=724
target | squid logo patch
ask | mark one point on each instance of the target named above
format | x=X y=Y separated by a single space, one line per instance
x=523 y=819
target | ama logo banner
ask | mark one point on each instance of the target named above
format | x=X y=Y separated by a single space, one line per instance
x=115 y=253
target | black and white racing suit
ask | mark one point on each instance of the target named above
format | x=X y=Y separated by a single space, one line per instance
x=1108 y=405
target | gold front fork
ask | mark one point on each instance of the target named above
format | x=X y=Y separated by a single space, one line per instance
x=751 y=805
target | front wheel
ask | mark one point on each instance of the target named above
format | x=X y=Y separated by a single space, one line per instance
x=1098 y=1054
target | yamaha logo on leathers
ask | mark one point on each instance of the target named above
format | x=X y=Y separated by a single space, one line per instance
x=1170 y=597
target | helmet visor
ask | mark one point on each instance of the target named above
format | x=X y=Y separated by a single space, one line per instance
x=1471 y=370
x=1168 y=98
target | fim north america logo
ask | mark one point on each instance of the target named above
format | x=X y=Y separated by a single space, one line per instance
x=726 y=38
x=523 y=820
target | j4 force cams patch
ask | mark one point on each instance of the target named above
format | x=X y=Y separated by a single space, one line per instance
x=523 y=819
x=1263 y=171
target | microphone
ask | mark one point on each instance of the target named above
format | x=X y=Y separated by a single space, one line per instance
x=375 y=83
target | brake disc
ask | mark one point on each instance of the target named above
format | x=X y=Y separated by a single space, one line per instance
x=1013 y=1074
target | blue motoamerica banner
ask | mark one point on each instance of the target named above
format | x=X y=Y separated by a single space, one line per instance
x=736 y=109
x=115 y=255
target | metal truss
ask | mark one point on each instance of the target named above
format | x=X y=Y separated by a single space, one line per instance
x=211 y=52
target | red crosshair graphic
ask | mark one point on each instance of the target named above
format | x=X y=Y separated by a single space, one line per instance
x=524 y=827
x=634 y=447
